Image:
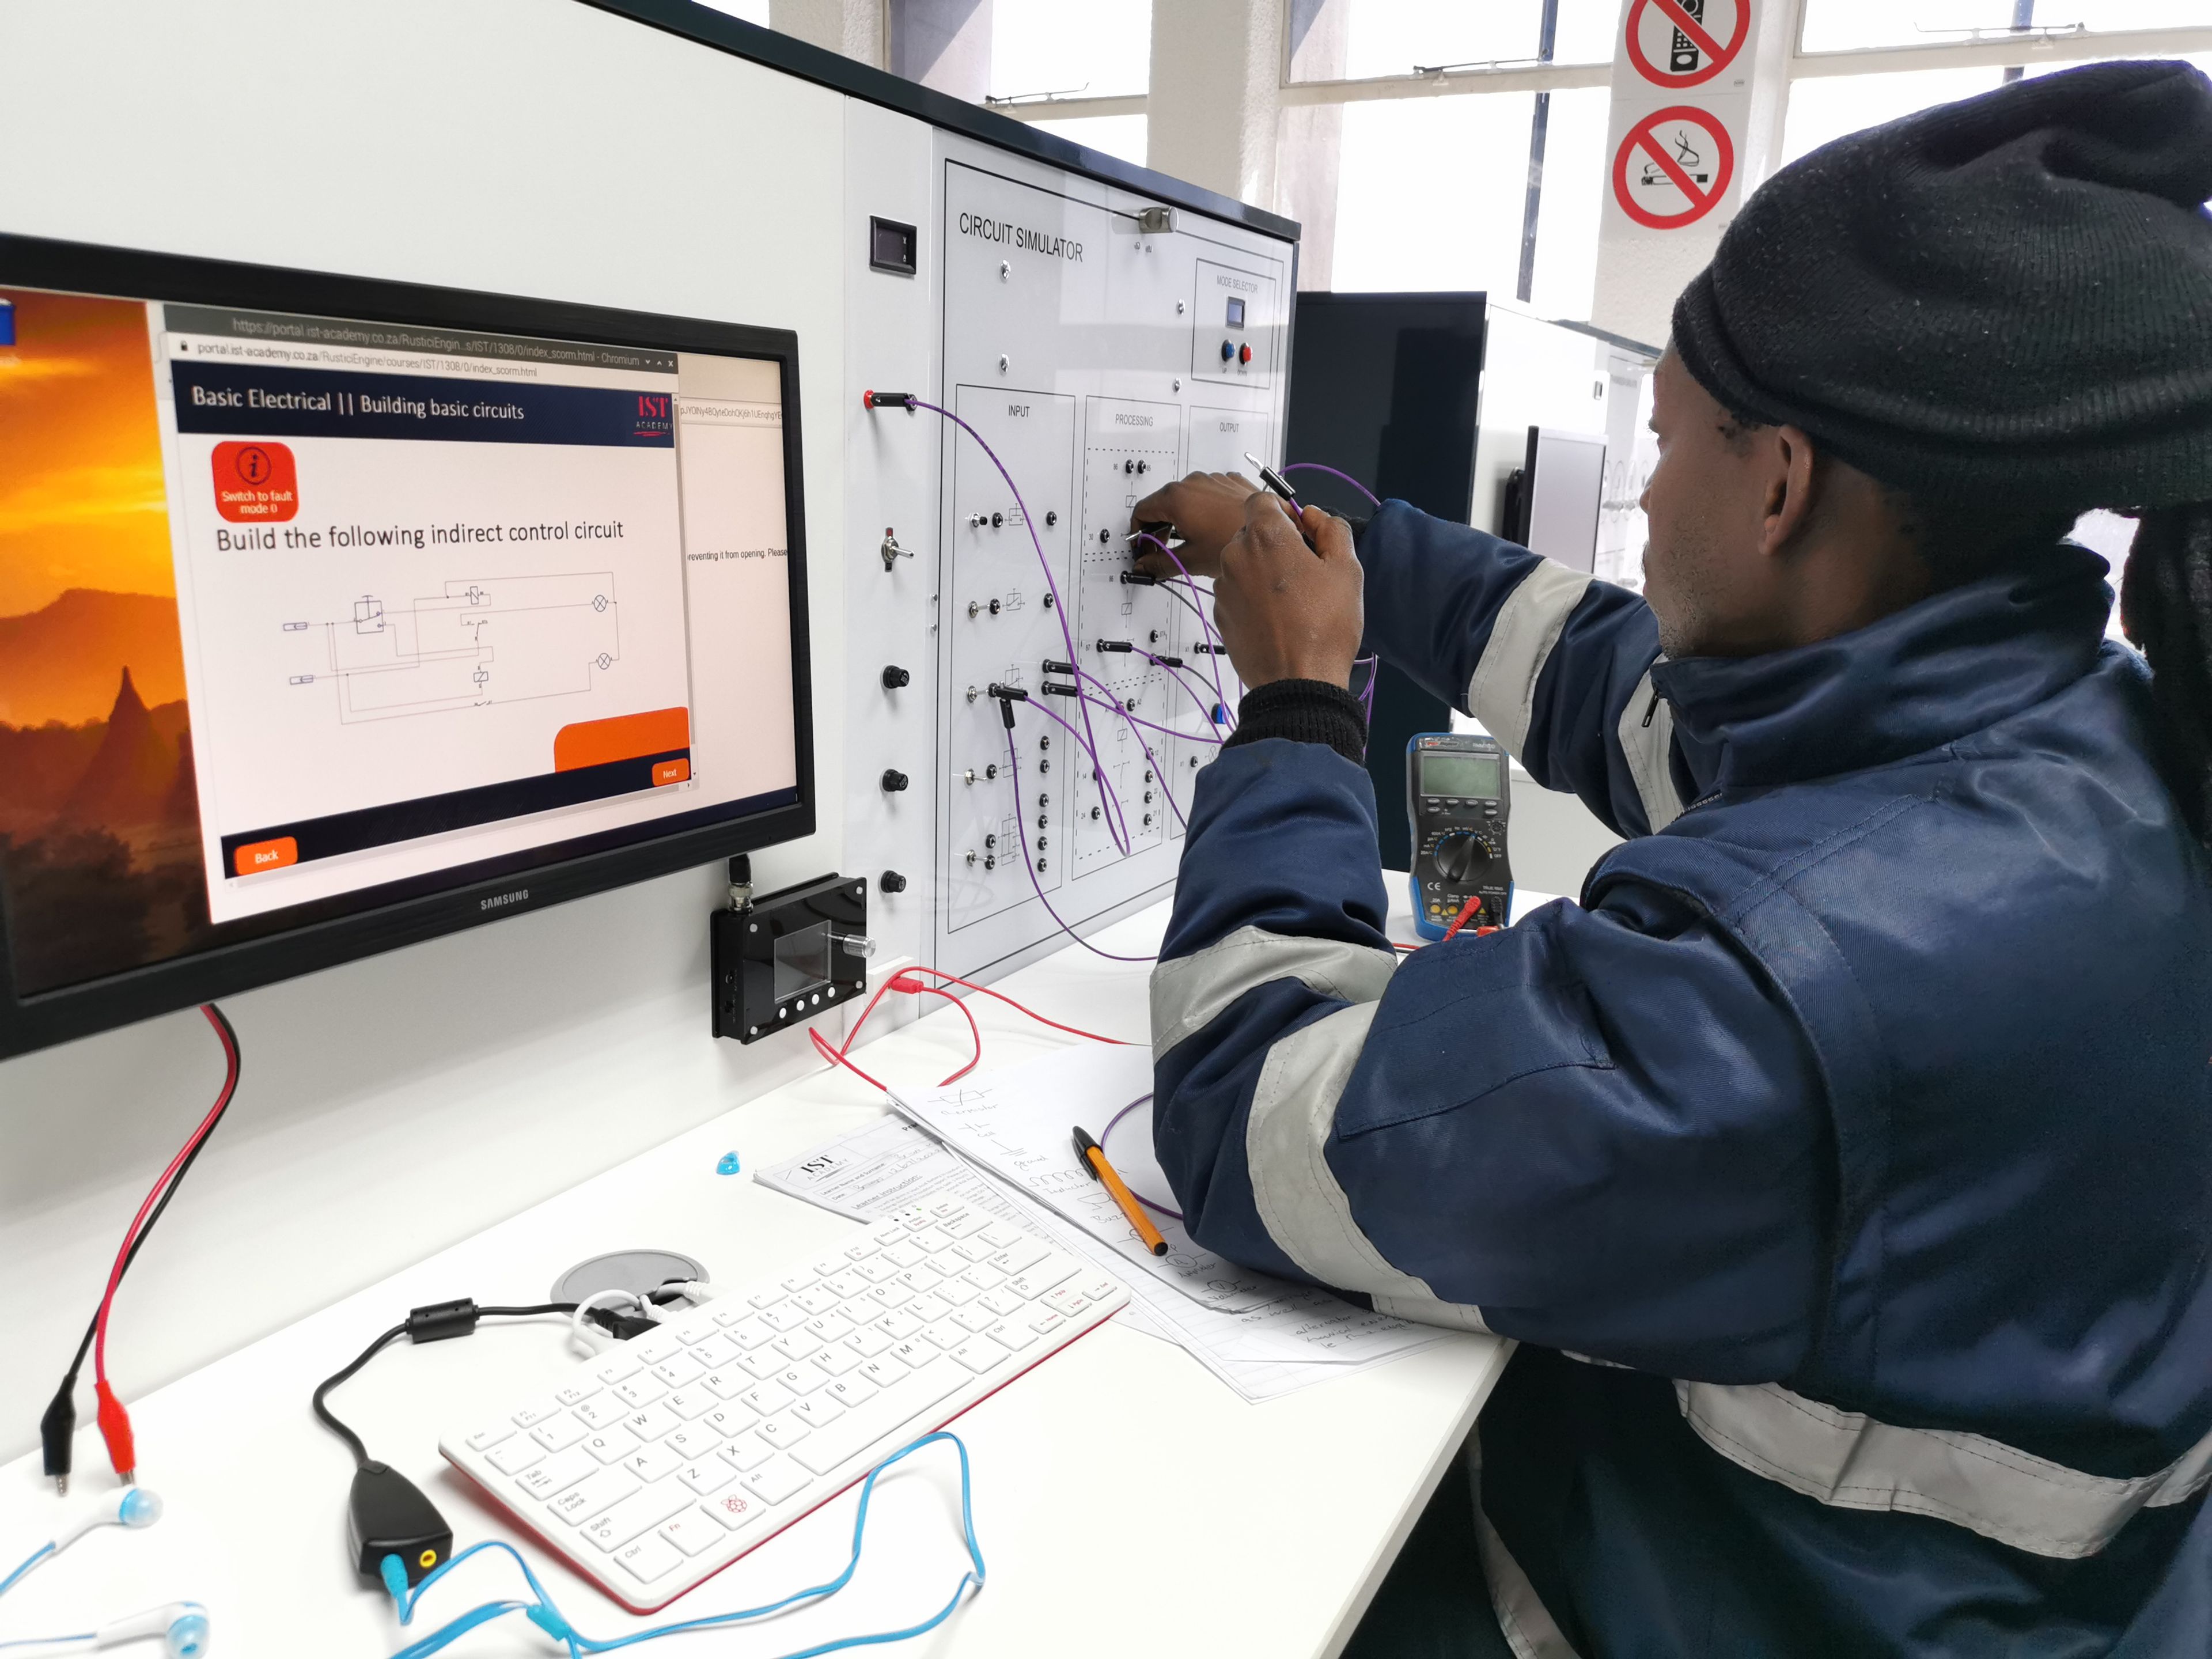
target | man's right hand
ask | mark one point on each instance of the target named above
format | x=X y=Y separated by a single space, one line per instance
x=1207 y=509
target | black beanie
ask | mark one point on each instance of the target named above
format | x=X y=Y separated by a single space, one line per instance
x=2005 y=300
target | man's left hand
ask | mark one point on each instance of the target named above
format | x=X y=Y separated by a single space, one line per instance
x=1288 y=612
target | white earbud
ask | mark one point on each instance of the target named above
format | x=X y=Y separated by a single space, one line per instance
x=182 y=1624
x=126 y=1506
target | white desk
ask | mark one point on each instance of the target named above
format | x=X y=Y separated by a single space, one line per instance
x=1125 y=1501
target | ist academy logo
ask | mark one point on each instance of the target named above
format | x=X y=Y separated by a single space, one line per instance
x=655 y=419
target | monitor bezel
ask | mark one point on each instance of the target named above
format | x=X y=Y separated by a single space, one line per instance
x=43 y=1018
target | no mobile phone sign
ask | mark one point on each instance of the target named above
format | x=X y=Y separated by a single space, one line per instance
x=1675 y=44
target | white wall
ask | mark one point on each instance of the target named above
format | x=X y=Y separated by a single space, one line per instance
x=534 y=147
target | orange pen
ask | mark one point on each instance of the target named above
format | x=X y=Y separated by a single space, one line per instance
x=1092 y=1158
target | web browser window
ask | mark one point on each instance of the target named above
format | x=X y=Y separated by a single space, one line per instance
x=300 y=607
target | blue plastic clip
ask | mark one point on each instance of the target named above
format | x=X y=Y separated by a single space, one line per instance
x=727 y=1165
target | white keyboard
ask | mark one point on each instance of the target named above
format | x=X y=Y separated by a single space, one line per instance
x=655 y=1466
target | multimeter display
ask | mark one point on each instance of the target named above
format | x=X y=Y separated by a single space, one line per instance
x=1457 y=801
x=1478 y=777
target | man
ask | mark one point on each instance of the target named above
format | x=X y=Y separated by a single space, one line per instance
x=1843 y=1162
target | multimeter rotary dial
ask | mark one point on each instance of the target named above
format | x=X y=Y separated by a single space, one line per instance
x=1463 y=857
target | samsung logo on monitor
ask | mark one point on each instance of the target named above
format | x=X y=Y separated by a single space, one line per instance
x=501 y=901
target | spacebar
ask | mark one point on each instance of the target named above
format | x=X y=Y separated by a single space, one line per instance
x=873 y=1420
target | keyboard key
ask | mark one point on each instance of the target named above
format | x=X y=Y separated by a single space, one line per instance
x=858 y=1311
x=875 y=1269
x=731 y=1420
x=1046 y=1323
x=707 y=1477
x=946 y=1263
x=889 y=1294
x=680 y=1368
x=656 y=1344
x=797 y=1345
x=601 y=1413
x=727 y=1385
x=800 y=1379
x=775 y=1481
x=979 y=1354
x=615 y=1366
x=860 y=1248
x=904 y=1256
x=767 y=1399
x=944 y=1334
x=1066 y=1299
x=827 y=1265
x=984 y=1277
x=652 y=1463
x=946 y=1207
x=845 y=1285
x=898 y=1325
x=1012 y=1335
x=753 y=1332
x=578 y=1391
x=651 y=1423
x=783 y=1432
x=1043 y=1276
x=687 y=1403
x=882 y=1372
x=835 y=1361
x=485 y=1438
x=715 y=1351
x=515 y=1455
x=1017 y=1257
x=887 y=1232
x=850 y=1391
x=868 y=1341
x=830 y=1327
x=731 y=1312
x=639 y=1513
x=817 y=1411
x=1097 y=1287
x=608 y=1444
x=766 y=1299
x=747 y=1452
x=919 y=1280
x=929 y=1310
x=1001 y=1234
x=1003 y=1303
x=785 y=1316
x=559 y=1433
x=694 y=1440
x=895 y=1411
x=979 y=1314
x=594 y=1492
x=976 y=1249
x=692 y=1531
x=761 y=1364
x=914 y=1350
x=556 y=1473
x=929 y=1241
x=649 y=1558
x=695 y=1328
x=531 y=1415
x=639 y=1390
x=966 y=1224
x=819 y=1299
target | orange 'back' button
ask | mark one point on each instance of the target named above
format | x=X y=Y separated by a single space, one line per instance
x=258 y=855
x=675 y=771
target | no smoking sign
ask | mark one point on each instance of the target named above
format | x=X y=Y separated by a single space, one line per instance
x=1679 y=44
x=1673 y=168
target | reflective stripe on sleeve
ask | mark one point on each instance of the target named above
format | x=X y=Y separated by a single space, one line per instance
x=1300 y=1203
x=1190 y=991
x=1529 y=1630
x=1649 y=748
x=1852 y=1461
x=1502 y=694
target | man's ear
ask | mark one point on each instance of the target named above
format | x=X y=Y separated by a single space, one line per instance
x=1792 y=490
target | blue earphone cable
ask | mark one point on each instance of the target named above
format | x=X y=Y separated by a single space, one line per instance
x=50 y=1641
x=16 y=1576
x=541 y=1610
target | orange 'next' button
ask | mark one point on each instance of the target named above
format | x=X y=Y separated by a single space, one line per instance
x=257 y=855
x=675 y=771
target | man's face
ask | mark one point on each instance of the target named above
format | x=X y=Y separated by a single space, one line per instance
x=1704 y=575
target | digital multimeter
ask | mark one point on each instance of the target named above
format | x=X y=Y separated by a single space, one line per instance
x=1458 y=794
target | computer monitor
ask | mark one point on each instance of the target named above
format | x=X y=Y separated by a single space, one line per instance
x=1558 y=493
x=335 y=614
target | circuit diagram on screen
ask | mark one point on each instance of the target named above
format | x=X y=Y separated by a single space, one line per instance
x=482 y=641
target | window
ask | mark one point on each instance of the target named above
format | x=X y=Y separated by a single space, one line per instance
x=1860 y=25
x=1100 y=49
x=1396 y=37
x=1123 y=136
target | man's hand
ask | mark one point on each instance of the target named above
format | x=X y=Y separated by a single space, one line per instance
x=1288 y=612
x=1207 y=508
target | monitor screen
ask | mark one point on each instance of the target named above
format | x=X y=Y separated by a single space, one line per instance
x=305 y=615
x=1465 y=777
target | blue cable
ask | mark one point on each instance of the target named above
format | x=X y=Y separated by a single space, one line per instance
x=49 y=1641
x=541 y=1610
x=16 y=1576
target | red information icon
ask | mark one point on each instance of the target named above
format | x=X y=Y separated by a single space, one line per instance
x=1685 y=47
x=256 y=483
x=1673 y=167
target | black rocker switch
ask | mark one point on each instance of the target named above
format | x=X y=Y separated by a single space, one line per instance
x=894 y=677
x=894 y=779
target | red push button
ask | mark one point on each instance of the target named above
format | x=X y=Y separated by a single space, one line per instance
x=1244 y=354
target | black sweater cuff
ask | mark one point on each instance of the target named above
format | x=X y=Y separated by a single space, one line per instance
x=1304 y=711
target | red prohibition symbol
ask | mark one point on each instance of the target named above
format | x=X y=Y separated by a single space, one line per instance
x=1701 y=45
x=1702 y=181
